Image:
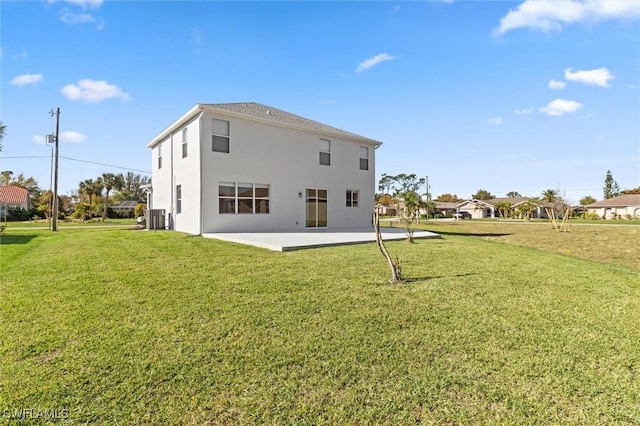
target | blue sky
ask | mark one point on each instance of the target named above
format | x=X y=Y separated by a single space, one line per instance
x=504 y=96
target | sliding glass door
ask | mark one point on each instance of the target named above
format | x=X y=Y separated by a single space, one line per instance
x=316 y=207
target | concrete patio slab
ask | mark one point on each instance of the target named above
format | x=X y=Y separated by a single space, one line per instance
x=287 y=241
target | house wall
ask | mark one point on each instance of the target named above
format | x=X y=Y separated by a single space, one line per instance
x=609 y=212
x=288 y=161
x=177 y=170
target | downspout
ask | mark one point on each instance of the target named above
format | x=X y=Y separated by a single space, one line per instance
x=171 y=224
x=199 y=153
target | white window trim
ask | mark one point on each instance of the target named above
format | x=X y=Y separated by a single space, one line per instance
x=357 y=199
x=228 y=135
x=324 y=151
x=236 y=198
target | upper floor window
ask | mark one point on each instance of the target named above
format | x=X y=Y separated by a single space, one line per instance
x=160 y=156
x=364 y=158
x=325 y=152
x=352 y=197
x=220 y=137
x=184 y=142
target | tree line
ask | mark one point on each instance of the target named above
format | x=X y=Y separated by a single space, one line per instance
x=92 y=198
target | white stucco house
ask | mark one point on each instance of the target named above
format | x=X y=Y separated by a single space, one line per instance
x=620 y=207
x=247 y=167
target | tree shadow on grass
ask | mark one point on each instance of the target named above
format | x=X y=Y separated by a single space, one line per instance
x=472 y=234
x=411 y=280
x=15 y=239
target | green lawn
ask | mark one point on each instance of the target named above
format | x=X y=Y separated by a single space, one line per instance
x=134 y=327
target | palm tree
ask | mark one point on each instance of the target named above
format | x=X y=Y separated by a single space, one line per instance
x=3 y=131
x=513 y=194
x=504 y=207
x=549 y=195
x=86 y=187
x=110 y=181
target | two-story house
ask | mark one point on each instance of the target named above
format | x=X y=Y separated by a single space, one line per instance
x=247 y=167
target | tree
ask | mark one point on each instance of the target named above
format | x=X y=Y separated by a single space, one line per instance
x=395 y=266
x=3 y=132
x=504 y=208
x=87 y=187
x=549 y=195
x=483 y=194
x=110 y=181
x=587 y=200
x=526 y=209
x=5 y=177
x=513 y=194
x=632 y=191
x=384 y=199
x=45 y=203
x=611 y=188
x=405 y=188
x=132 y=188
x=447 y=198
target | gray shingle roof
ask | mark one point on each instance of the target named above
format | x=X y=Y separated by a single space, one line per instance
x=253 y=109
x=620 y=201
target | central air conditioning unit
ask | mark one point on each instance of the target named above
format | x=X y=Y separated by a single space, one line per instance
x=154 y=218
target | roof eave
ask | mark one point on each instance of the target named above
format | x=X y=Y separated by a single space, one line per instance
x=175 y=125
x=355 y=138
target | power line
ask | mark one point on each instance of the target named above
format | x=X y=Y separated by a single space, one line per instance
x=80 y=161
x=108 y=165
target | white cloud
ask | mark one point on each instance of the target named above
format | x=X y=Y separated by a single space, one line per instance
x=552 y=15
x=24 y=79
x=559 y=107
x=94 y=4
x=70 y=18
x=599 y=77
x=89 y=90
x=371 y=62
x=38 y=140
x=72 y=137
x=557 y=84
x=524 y=111
x=495 y=121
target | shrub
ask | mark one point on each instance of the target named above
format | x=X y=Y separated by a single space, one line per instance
x=591 y=216
x=139 y=210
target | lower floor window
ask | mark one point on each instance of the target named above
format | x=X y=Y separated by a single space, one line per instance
x=243 y=198
x=352 y=197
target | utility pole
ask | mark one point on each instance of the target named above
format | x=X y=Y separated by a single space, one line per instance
x=428 y=196
x=54 y=223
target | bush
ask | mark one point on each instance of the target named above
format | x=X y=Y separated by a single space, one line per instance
x=139 y=210
x=20 y=214
x=591 y=216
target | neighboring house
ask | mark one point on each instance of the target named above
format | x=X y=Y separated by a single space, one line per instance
x=480 y=209
x=445 y=209
x=247 y=167
x=125 y=206
x=14 y=196
x=621 y=207
x=384 y=210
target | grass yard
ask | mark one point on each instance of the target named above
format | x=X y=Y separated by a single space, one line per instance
x=133 y=327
